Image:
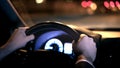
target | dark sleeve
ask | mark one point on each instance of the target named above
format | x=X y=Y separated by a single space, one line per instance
x=83 y=64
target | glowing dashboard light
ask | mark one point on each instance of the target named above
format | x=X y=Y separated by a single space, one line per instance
x=45 y=36
x=68 y=48
x=55 y=42
x=106 y=4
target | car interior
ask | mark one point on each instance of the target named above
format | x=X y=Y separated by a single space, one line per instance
x=56 y=24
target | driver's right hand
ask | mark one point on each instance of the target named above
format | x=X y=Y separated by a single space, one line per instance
x=85 y=48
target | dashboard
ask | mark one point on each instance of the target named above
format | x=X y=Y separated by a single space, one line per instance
x=59 y=42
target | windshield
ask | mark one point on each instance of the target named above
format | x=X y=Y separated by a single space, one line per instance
x=94 y=14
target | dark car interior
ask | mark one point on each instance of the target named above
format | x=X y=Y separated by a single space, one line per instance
x=55 y=29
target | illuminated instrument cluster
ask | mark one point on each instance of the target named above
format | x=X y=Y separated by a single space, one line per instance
x=55 y=40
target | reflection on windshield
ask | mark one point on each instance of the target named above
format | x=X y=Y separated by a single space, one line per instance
x=88 y=14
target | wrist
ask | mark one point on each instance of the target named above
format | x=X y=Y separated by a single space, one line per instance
x=82 y=58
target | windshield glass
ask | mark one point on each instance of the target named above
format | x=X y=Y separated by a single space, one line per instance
x=94 y=14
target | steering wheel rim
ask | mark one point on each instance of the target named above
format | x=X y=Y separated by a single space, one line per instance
x=58 y=25
x=50 y=25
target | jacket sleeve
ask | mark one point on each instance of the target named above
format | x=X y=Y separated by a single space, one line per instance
x=83 y=64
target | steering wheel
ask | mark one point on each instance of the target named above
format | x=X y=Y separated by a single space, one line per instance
x=46 y=47
x=47 y=44
x=47 y=30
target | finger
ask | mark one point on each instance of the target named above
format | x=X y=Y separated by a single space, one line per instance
x=91 y=39
x=22 y=30
x=82 y=36
x=23 y=27
x=30 y=37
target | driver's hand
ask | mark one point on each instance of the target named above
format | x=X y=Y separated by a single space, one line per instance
x=19 y=38
x=85 y=48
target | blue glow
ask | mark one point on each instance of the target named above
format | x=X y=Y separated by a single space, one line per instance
x=44 y=37
x=54 y=41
